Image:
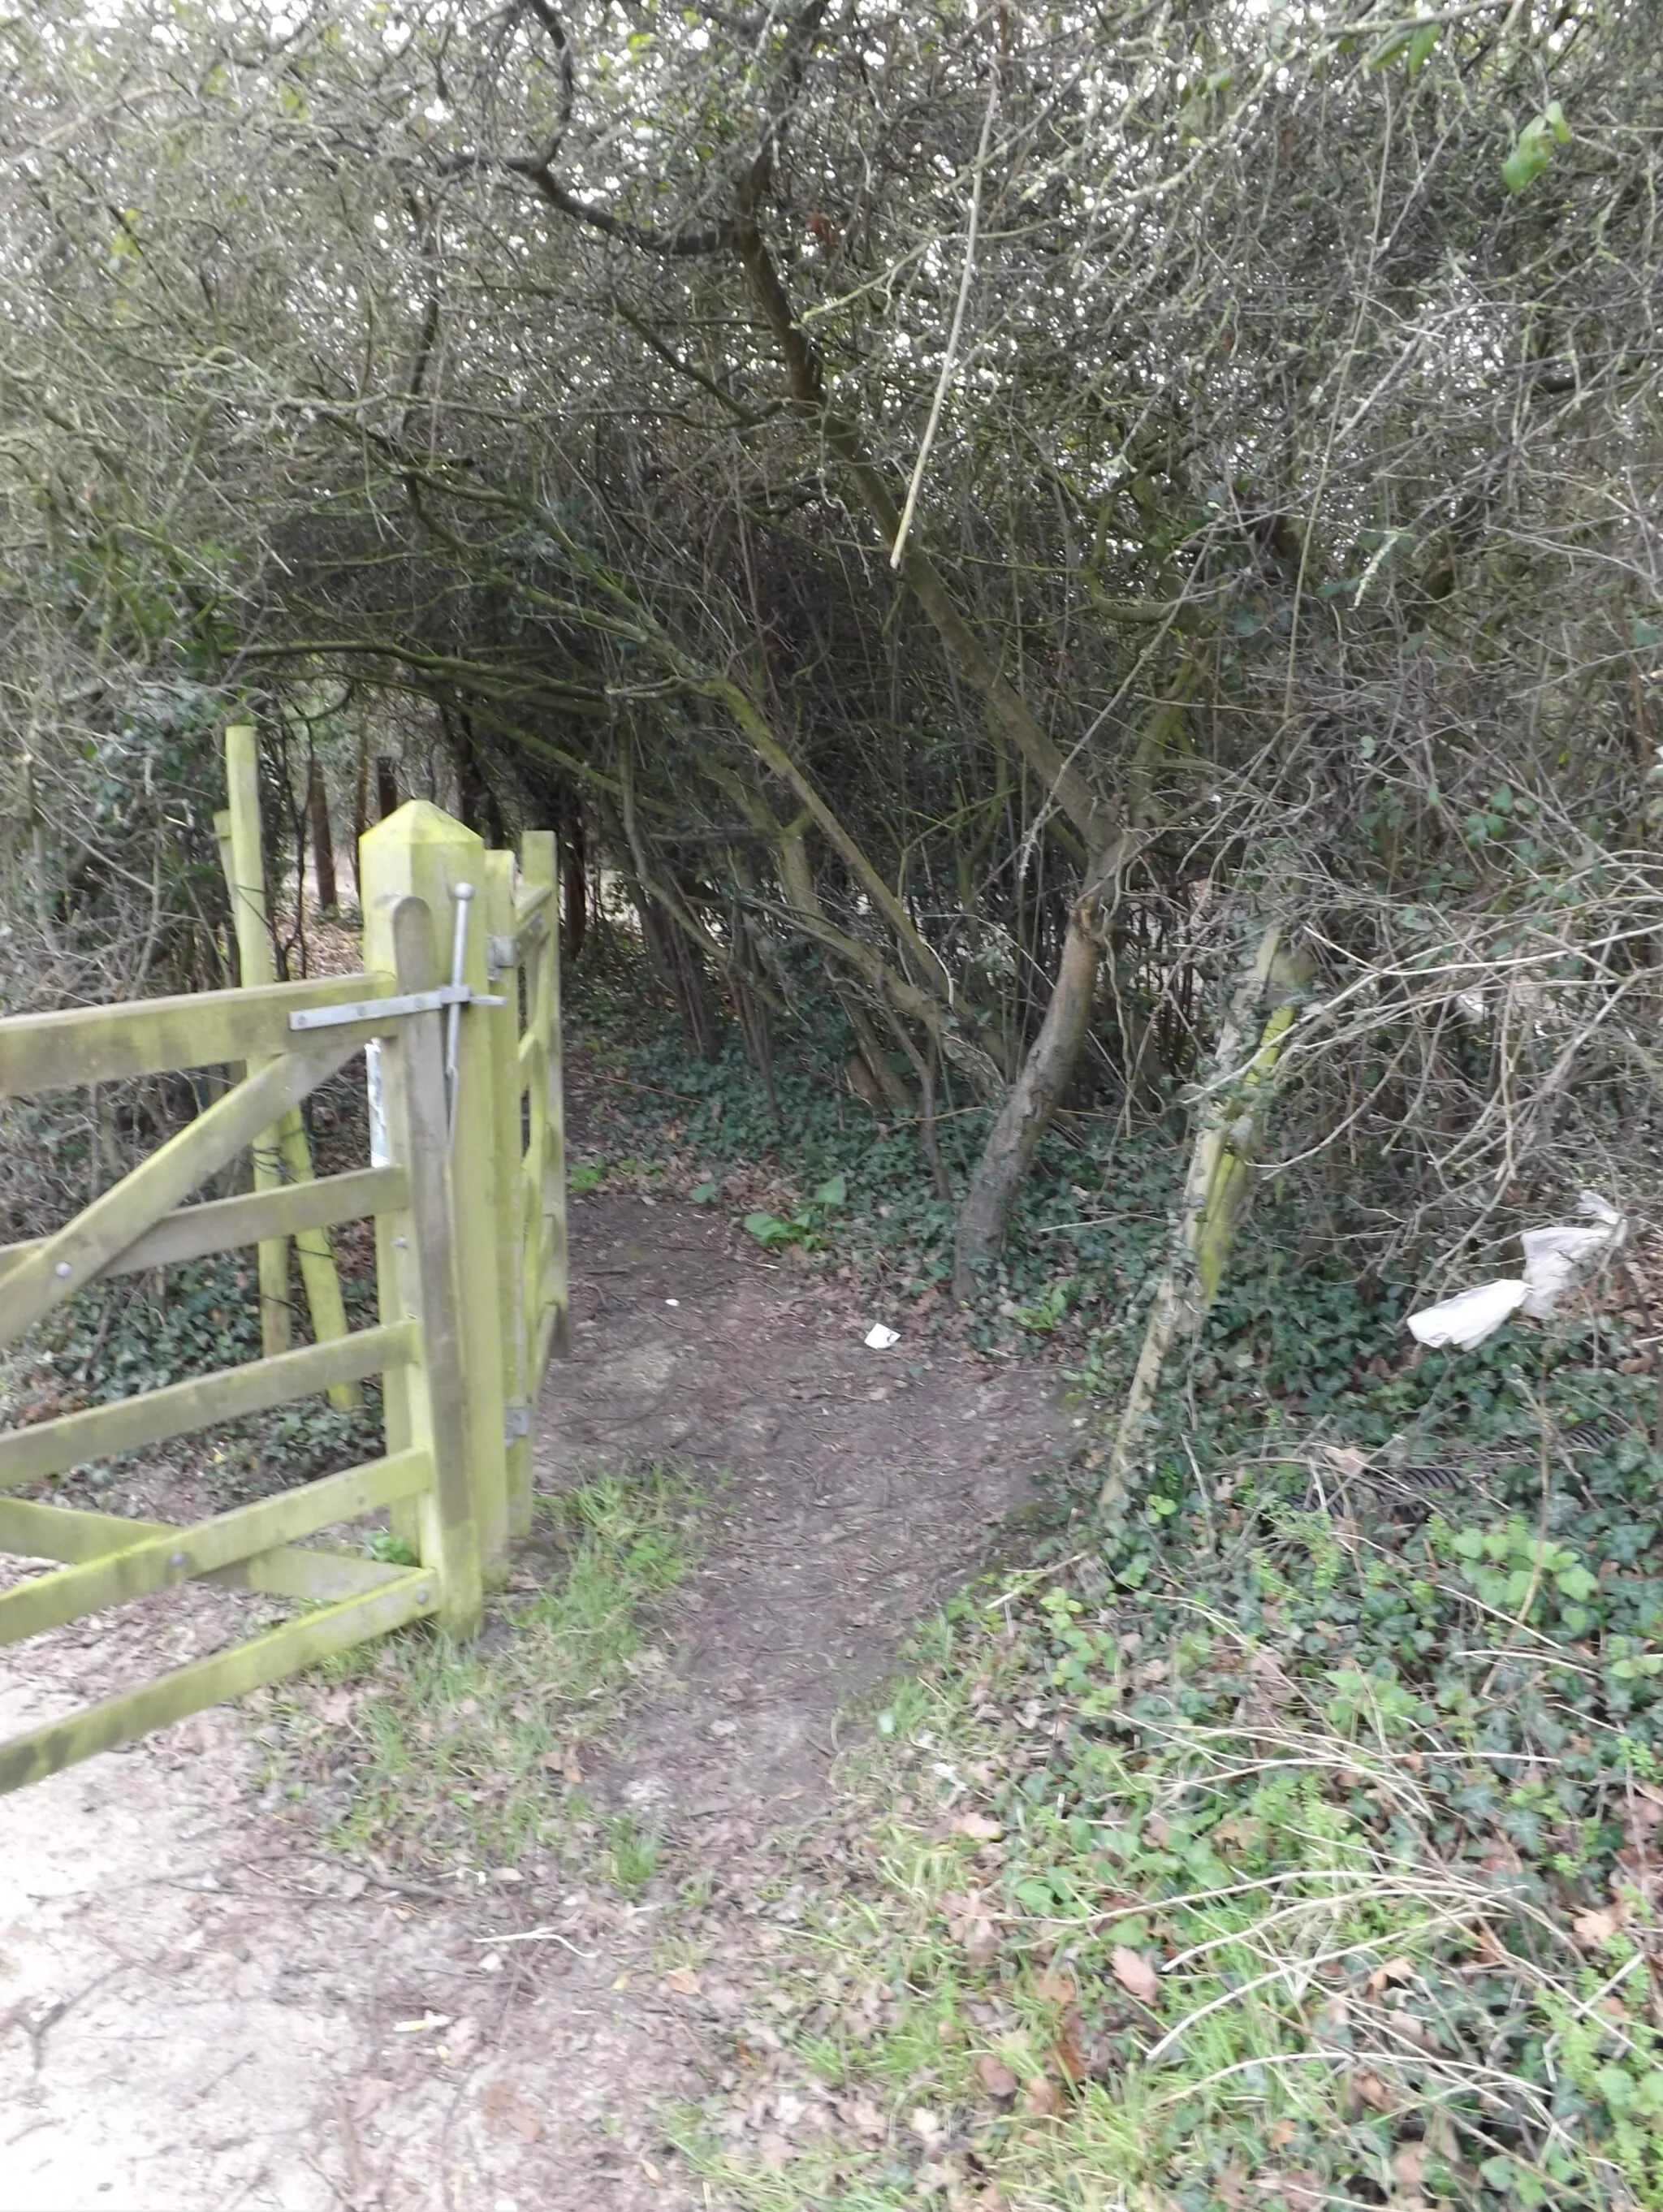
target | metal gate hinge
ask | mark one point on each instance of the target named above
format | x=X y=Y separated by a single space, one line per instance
x=408 y=1002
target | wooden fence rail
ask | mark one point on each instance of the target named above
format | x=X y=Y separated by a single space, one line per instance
x=458 y=1003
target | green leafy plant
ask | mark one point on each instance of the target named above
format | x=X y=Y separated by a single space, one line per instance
x=1301 y=1870
x=807 y=1225
x=1534 y=148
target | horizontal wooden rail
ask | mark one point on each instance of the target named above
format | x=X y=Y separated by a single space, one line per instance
x=31 y=1529
x=225 y=1224
x=177 y=1555
x=228 y=1394
x=84 y=1248
x=152 y=1037
x=212 y=1681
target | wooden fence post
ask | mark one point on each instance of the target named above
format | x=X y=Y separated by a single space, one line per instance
x=502 y=1025
x=546 y=1294
x=281 y=1153
x=426 y=1403
x=421 y=852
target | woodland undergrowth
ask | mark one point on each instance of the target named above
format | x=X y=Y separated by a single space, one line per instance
x=1291 y=1841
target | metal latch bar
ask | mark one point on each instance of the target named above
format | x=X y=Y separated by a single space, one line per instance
x=407 y=1002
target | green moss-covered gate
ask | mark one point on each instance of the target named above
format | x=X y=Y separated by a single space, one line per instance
x=458 y=1002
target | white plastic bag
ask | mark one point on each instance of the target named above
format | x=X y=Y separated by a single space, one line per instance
x=1554 y=1259
x=1468 y=1319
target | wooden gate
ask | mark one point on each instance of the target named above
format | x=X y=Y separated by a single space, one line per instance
x=458 y=1006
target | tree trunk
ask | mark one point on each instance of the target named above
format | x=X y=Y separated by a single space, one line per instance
x=1216 y=1189
x=387 y=787
x=322 y=842
x=1010 y=1148
x=360 y=813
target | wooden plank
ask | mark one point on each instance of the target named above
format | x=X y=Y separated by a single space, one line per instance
x=31 y=1529
x=150 y=1036
x=415 y=1249
x=157 y=1561
x=60 y=1264
x=214 y=1680
x=229 y=1394
x=228 y=1224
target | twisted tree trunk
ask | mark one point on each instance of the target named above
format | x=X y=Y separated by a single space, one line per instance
x=1217 y=1188
x=1009 y=1152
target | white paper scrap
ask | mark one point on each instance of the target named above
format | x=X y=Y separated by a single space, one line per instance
x=879 y=1338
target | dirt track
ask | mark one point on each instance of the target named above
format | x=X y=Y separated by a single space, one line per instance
x=198 y=2012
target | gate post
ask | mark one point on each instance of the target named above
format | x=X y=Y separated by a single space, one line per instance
x=421 y=852
x=502 y=1025
x=415 y=1254
x=547 y=1297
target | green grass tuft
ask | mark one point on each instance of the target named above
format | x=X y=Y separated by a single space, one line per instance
x=444 y=1755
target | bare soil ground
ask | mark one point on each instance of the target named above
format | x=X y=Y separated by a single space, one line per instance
x=202 y=2011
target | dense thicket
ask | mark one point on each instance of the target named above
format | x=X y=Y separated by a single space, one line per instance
x=534 y=393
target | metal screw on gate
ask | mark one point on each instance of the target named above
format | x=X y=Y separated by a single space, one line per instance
x=176 y=1558
x=63 y=1268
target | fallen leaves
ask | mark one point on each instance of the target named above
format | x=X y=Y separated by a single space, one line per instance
x=1408 y=2168
x=864 y=2118
x=996 y=2078
x=1133 y=1970
x=970 y=1925
x=682 y=1981
x=1301 y=2190
x=509 y=2112
x=1395 y=1970
x=1367 y=2088
x=979 y=1826
x=1593 y=1928
x=1043 y=2100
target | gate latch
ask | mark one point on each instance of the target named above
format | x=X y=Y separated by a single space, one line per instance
x=407 y=1002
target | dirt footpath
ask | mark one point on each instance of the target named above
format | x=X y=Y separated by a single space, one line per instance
x=198 y=2012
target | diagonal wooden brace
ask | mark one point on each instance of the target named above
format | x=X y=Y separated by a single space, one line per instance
x=59 y=1265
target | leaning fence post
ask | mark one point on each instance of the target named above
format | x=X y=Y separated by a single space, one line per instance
x=281 y=1153
x=417 y=1247
x=421 y=852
